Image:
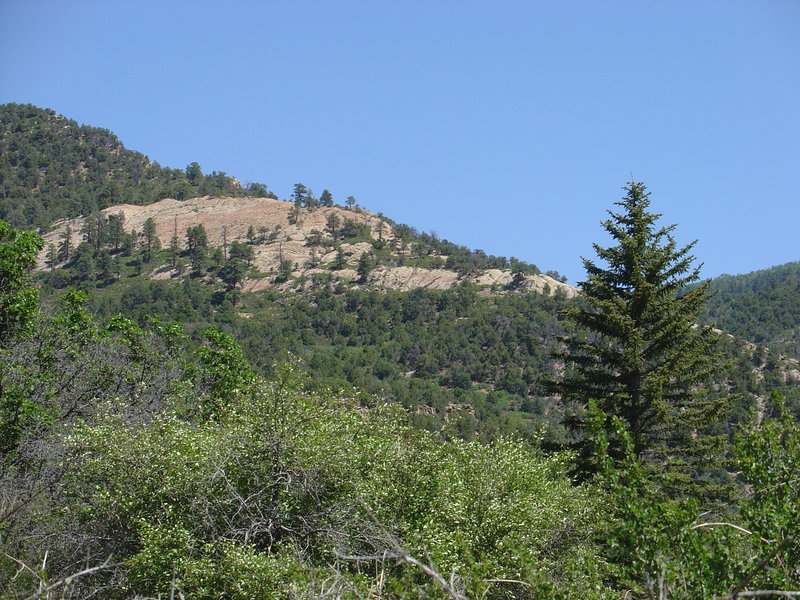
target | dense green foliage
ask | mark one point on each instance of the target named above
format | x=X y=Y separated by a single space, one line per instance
x=284 y=485
x=427 y=348
x=52 y=167
x=196 y=475
x=18 y=304
x=672 y=548
x=431 y=350
x=18 y=298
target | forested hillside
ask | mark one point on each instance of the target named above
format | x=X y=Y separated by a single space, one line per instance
x=137 y=462
x=762 y=307
x=477 y=352
x=239 y=397
x=51 y=167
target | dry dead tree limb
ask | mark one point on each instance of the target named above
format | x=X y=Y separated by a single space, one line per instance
x=517 y=581
x=737 y=527
x=22 y=567
x=402 y=556
x=722 y=524
x=396 y=552
x=69 y=579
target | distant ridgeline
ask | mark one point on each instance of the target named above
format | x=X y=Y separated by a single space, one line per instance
x=52 y=167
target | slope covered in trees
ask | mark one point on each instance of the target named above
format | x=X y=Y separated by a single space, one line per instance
x=143 y=458
x=144 y=462
x=480 y=352
x=761 y=307
x=51 y=167
x=429 y=350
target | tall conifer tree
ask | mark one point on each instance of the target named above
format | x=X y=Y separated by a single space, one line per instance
x=150 y=242
x=644 y=359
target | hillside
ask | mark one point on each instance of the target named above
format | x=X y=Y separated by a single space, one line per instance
x=52 y=167
x=761 y=307
x=435 y=332
x=358 y=299
x=233 y=396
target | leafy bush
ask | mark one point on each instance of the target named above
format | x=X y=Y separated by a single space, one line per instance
x=284 y=487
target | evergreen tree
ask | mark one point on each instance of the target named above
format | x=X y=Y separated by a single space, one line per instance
x=313 y=259
x=197 y=245
x=217 y=257
x=340 y=262
x=243 y=252
x=65 y=247
x=83 y=264
x=365 y=265
x=234 y=272
x=259 y=190
x=299 y=194
x=294 y=214
x=94 y=230
x=150 y=242
x=332 y=224
x=326 y=198
x=314 y=238
x=174 y=247
x=310 y=200
x=52 y=256
x=644 y=359
x=128 y=245
x=194 y=173
x=284 y=270
x=115 y=231
x=104 y=265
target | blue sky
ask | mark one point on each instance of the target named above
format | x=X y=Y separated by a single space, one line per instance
x=508 y=126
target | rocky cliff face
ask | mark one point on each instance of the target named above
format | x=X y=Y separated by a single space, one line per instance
x=301 y=236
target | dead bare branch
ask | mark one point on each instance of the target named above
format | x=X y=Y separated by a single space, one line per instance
x=721 y=524
x=404 y=557
x=69 y=579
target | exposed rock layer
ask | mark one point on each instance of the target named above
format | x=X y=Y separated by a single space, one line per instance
x=228 y=219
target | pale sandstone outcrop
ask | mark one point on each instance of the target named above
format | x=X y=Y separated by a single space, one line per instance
x=228 y=220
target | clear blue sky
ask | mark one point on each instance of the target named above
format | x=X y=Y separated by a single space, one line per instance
x=503 y=125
